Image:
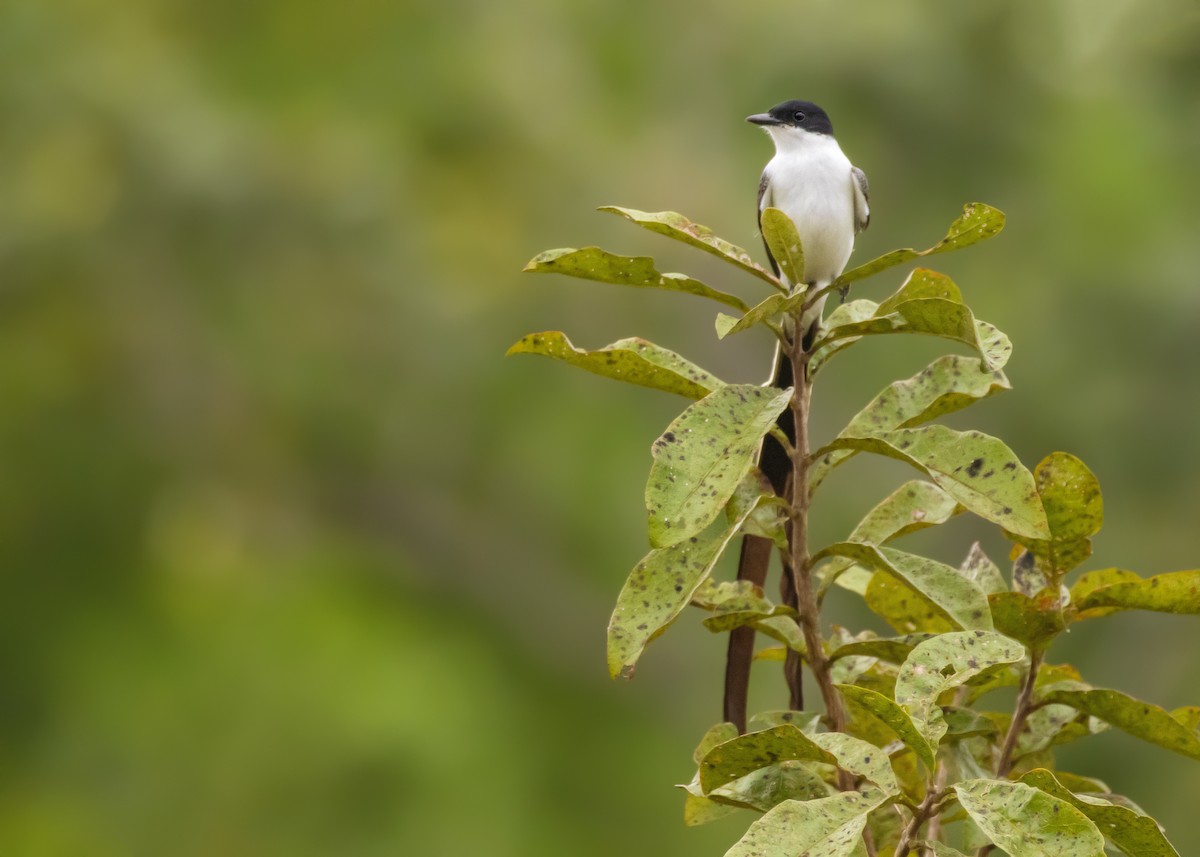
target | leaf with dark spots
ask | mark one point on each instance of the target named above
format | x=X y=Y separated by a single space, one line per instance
x=1028 y=822
x=769 y=311
x=943 y=663
x=691 y=479
x=634 y=361
x=944 y=455
x=1133 y=832
x=977 y=223
x=887 y=711
x=921 y=309
x=913 y=506
x=676 y=226
x=1070 y=494
x=739 y=756
x=1174 y=592
x=1033 y=621
x=946 y=591
x=1140 y=719
x=948 y=384
x=593 y=263
x=827 y=827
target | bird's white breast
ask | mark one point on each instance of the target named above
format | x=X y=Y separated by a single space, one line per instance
x=810 y=181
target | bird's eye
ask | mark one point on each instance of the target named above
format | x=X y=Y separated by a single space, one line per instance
x=798 y=116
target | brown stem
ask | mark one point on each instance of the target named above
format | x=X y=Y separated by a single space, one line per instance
x=914 y=824
x=1004 y=764
x=1020 y=713
x=801 y=565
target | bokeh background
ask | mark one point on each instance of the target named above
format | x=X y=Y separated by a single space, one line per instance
x=295 y=562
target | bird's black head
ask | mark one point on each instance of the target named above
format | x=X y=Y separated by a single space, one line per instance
x=796 y=114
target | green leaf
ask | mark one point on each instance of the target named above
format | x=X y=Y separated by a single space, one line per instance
x=956 y=598
x=717 y=734
x=1027 y=822
x=703 y=455
x=964 y=723
x=948 y=384
x=728 y=606
x=829 y=827
x=678 y=227
x=982 y=571
x=946 y=317
x=1174 y=592
x=592 y=263
x=768 y=312
x=666 y=579
x=977 y=223
x=977 y=470
x=1135 y=833
x=860 y=758
x=634 y=361
x=847 y=313
x=1032 y=621
x=808 y=721
x=1070 y=494
x=903 y=609
x=739 y=756
x=698 y=810
x=1140 y=719
x=783 y=241
x=893 y=716
x=913 y=506
x=943 y=663
x=1089 y=583
x=891 y=649
x=768 y=787
x=1045 y=726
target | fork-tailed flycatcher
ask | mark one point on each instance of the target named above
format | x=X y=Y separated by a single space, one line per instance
x=812 y=182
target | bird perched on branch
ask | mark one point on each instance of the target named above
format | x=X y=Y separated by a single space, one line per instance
x=812 y=181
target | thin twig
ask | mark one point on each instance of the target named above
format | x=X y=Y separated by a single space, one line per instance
x=1004 y=764
x=800 y=558
x=914 y=824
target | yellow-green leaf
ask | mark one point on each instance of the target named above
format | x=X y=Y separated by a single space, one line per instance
x=676 y=226
x=634 y=361
x=783 y=241
x=977 y=470
x=828 y=827
x=1174 y=592
x=739 y=756
x=703 y=455
x=943 y=663
x=958 y=599
x=593 y=263
x=1140 y=719
x=893 y=716
x=1027 y=822
x=977 y=223
x=948 y=384
x=1136 y=834
x=928 y=303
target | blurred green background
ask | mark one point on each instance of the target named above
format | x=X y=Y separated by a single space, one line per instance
x=296 y=563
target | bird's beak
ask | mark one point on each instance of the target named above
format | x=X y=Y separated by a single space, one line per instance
x=762 y=119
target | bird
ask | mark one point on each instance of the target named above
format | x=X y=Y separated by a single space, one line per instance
x=812 y=181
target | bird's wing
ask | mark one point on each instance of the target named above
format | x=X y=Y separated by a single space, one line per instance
x=764 y=201
x=862 y=200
